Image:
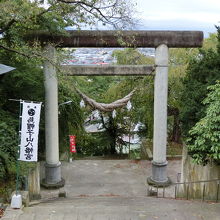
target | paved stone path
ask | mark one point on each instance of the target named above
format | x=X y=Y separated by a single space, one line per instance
x=113 y=189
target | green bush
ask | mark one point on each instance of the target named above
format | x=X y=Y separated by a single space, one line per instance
x=8 y=140
x=204 y=140
x=94 y=144
x=8 y=150
x=203 y=71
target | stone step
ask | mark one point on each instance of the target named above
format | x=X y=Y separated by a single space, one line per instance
x=121 y=208
x=80 y=216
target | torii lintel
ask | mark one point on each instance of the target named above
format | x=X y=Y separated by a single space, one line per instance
x=85 y=38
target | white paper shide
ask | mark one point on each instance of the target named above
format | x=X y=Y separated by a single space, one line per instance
x=29 y=131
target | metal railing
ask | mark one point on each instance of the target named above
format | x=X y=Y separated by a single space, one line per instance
x=172 y=190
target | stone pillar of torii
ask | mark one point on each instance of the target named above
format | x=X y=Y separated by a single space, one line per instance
x=159 y=163
x=160 y=40
x=53 y=165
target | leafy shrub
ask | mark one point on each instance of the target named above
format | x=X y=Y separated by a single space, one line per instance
x=204 y=140
x=95 y=144
x=8 y=149
x=203 y=71
x=8 y=140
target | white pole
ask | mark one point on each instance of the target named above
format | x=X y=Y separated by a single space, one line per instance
x=52 y=166
x=159 y=164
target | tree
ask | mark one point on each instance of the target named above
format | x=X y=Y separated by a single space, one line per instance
x=114 y=130
x=204 y=138
x=178 y=63
x=114 y=127
x=201 y=118
x=142 y=100
x=19 y=17
x=203 y=70
x=71 y=117
x=109 y=89
x=178 y=98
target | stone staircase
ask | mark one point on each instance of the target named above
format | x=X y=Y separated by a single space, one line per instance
x=111 y=190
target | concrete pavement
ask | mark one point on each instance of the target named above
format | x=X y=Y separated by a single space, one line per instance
x=113 y=189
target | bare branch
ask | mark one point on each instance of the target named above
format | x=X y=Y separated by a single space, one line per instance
x=16 y=51
x=82 y=4
x=103 y=18
x=92 y=7
x=77 y=3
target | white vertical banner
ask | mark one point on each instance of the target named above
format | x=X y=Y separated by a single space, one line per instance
x=29 y=131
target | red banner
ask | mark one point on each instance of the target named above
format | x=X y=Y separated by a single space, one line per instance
x=72 y=143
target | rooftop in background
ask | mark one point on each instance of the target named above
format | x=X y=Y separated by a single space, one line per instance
x=100 y=56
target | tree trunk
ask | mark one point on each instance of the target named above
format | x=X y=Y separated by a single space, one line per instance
x=176 y=131
x=176 y=134
x=112 y=149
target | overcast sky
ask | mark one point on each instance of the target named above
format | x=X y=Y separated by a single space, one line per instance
x=179 y=14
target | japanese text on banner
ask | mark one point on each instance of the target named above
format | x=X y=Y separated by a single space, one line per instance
x=29 y=131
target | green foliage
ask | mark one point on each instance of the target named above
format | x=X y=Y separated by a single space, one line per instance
x=142 y=100
x=71 y=117
x=203 y=71
x=8 y=140
x=204 y=137
x=26 y=83
x=102 y=89
x=96 y=86
x=94 y=144
x=4 y=168
x=109 y=89
x=178 y=63
x=201 y=118
x=115 y=128
x=8 y=145
x=17 y=19
x=131 y=56
x=20 y=17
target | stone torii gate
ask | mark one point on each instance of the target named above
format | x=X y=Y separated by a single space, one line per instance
x=161 y=40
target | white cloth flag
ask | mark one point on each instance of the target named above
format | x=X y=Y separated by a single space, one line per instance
x=29 y=131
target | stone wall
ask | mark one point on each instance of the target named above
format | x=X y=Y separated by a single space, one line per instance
x=34 y=182
x=192 y=172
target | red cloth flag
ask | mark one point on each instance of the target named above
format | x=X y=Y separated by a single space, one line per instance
x=72 y=143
